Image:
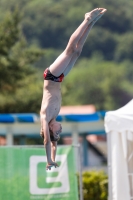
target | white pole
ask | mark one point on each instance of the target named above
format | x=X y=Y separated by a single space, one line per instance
x=75 y=136
x=80 y=173
x=109 y=166
x=9 y=135
x=78 y=147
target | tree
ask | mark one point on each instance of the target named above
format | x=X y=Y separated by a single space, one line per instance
x=103 y=84
x=48 y=24
x=124 y=49
x=16 y=64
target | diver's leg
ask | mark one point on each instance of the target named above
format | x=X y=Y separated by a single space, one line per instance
x=80 y=45
x=61 y=63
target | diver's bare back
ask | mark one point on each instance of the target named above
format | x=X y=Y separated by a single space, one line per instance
x=51 y=102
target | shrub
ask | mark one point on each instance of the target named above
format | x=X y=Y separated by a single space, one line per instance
x=95 y=185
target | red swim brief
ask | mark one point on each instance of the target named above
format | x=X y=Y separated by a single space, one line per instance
x=48 y=76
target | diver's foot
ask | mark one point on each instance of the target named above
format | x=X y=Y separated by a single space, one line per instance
x=49 y=166
x=95 y=14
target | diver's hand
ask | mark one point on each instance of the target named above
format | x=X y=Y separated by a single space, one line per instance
x=52 y=164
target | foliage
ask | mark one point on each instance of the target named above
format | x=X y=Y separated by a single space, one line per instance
x=104 y=84
x=50 y=23
x=95 y=185
x=16 y=74
x=57 y=15
x=103 y=73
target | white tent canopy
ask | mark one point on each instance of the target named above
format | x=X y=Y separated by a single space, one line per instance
x=119 y=129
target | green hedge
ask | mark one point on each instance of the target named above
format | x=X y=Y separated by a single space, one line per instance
x=95 y=185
